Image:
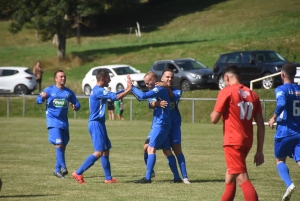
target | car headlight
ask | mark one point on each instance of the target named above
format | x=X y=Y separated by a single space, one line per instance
x=196 y=76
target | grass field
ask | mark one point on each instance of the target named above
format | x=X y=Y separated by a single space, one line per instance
x=27 y=162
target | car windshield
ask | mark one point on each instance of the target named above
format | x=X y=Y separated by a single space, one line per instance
x=187 y=65
x=125 y=70
x=265 y=57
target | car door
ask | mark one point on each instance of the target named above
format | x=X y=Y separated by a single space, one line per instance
x=235 y=59
x=247 y=62
x=7 y=82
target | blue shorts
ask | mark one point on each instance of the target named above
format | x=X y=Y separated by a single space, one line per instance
x=99 y=136
x=288 y=146
x=58 y=136
x=175 y=135
x=159 y=138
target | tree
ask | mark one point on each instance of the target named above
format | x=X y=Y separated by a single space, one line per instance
x=52 y=17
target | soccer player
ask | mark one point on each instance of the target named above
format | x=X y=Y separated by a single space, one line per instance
x=160 y=130
x=58 y=98
x=238 y=105
x=287 y=116
x=97 y=127
x=175 y=132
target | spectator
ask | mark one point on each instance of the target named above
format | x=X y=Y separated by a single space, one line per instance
x=38 y=73
x=110 y=107
x=118 y=109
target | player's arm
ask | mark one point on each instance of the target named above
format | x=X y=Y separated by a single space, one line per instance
x=40 y=99
x=75 y=105
x=215 y=117
x=155 y=103
x=127 y=90
x=281 y=102
x=162 y=84
x=259 y=156
x=145 y=95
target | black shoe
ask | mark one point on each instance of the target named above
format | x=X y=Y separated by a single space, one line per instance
x=59 y=175
x=64 y=171
x=142 y=181
x=176 y=181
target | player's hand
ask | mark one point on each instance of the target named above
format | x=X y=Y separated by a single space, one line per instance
x=259 y=158
x=163 y=103
x=44 y=95
x=73 y=106
x=129 y=83
x=161 y=84
x=271 y=122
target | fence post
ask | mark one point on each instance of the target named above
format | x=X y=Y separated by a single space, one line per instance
x=8 y=103
x=24 y=106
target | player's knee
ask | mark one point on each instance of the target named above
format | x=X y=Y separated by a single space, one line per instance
x=98 y=154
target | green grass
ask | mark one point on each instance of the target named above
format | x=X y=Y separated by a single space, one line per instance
x=27 y=162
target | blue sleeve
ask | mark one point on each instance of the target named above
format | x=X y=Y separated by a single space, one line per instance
x=281 y=101
x=150 y=101
x=104 y=94
x=177 y=95
x=121 y=91
x=75 y=101
x=145 y=95
x=39 y=99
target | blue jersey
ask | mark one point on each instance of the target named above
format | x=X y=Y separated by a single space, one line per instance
x=161 y=116
x=174 y=111
x=287 y=110
x=57 y=106
x=97 y=103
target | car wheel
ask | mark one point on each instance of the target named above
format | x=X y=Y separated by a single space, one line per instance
x=87 y=90
x=221 y=82
x=185 y=85
x=268 y=83
x=119 y=87
x=21 y=89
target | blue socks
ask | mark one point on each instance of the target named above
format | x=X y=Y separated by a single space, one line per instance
x=172 y=164
x=89 y=161
x=60 y=159
x=106 y=167
x=182 y=166
x=284 y=174
x=150 y=165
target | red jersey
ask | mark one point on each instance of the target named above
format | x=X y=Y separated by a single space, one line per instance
x=238 y=105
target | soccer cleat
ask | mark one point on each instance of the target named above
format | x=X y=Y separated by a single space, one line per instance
x=142 y=181
x=112 y=180
x=186 y=181
x=64 y=171
x=176 y=181
x=78 y=178
x=288 y=194
x=152 y=174
x=58 y=174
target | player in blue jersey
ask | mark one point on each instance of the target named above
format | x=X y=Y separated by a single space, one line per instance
x=97 y=128
x=58 y=99
x=175 y=132
x=161 y=124
x=287 y=116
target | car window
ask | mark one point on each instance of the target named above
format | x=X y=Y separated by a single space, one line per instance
x=159 y=67
x=8 y=72
x=223 y=58
x=95 y=71
x=234 y=58
x=246 y=57
x=28 y=71
x=266 y=56
x=187 y=65
x=171 y=66
x=125 y=70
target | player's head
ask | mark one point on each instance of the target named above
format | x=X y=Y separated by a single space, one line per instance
x=60 y=78
x=231 y=73
x=150 y=79
x=288 y=71
x=167 y=76
x=103 y=77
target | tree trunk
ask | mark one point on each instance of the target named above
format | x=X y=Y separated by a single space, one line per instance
x=61 y=46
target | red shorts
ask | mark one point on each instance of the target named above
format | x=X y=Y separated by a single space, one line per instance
x=235 y=157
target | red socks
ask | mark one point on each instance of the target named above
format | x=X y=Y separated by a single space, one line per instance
x=229 y=193
x=249 y=191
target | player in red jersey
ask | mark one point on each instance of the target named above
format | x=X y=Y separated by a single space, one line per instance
x=238 y=105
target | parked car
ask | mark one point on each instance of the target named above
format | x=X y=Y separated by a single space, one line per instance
x=118 y=73
x=18 y=80
x=253 y=64
x=188 y=73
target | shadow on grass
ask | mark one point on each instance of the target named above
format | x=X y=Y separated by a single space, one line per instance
x=88 y=55
x=24 y=196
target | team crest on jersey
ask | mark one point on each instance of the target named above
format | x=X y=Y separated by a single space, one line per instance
x=243 y=93
x=105 y=92
x=172 y=105
x=155 y=90
x=60 y=103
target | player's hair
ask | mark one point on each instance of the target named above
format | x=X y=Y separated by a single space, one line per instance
x=58 y=71
x=232 y=69
x=151 y=75
x=290 y=69
x=167 y=70
x=101 y=73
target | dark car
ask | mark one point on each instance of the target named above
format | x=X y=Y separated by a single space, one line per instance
x=188 y=73
x=253 y=64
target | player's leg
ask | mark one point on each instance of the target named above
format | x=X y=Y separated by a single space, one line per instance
x=145 y=148
x=172 y=164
